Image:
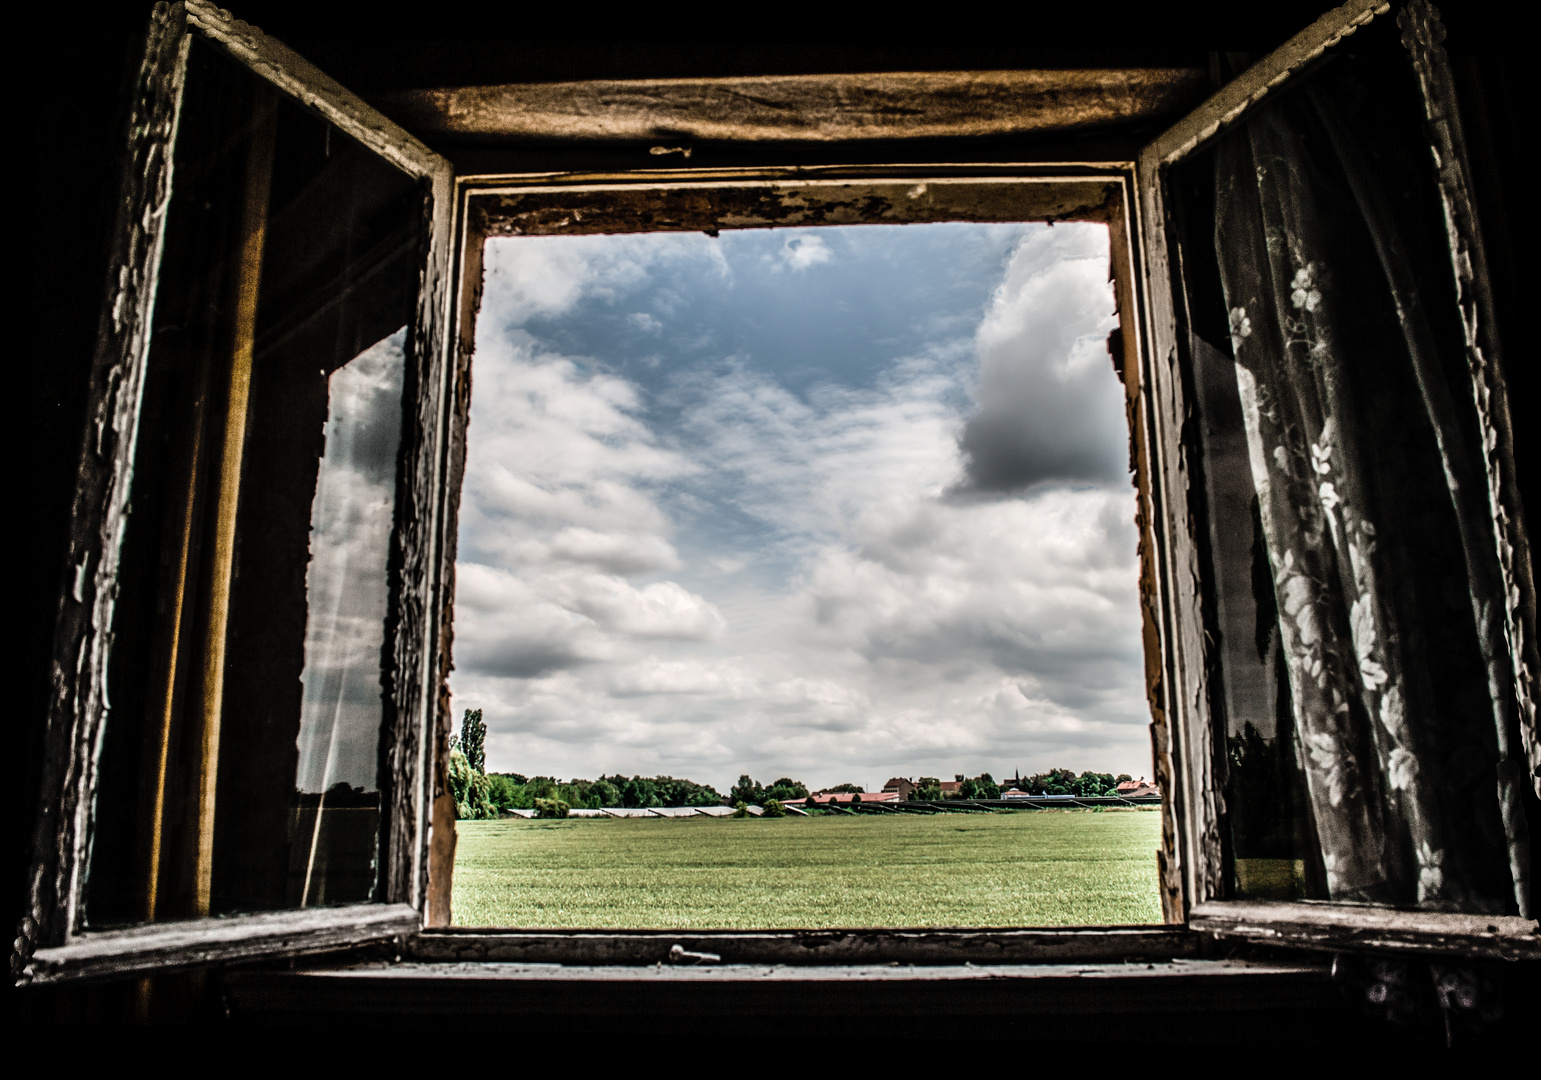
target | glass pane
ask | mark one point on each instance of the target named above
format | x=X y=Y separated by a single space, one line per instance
x=240 y=765
x=337 y=818
x=1363 y=700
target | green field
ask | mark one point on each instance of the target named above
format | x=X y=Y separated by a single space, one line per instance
x=1045 y=868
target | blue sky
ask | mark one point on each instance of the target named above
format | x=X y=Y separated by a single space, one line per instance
x=836 y=503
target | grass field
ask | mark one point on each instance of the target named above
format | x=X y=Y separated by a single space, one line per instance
x=1049 y=868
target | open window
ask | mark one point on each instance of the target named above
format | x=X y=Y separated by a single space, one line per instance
x=1348 y=607
x=243 y=680
x=714 y=455
x=250 y=722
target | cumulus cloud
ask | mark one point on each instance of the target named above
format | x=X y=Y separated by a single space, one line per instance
x=1044 y=412
x=521 y=625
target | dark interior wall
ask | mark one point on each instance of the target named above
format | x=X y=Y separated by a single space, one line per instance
x=77 y=124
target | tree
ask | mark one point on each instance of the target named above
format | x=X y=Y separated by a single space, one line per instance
x=603 y=793
x=472 y=790
x=773 y=808
x=747 y=790
x=741 y=809
x=704 y=795
x=551 y=808
x=852 y=789
x=503 y=792
x=473 y=737
x=640 y=791
x=1053 y=782
x=927 y=789
x=1094 y=783
x=786 y=788
x=468 y=781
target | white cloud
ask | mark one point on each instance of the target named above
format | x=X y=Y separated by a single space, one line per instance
x=547 y=276
x=803 y=251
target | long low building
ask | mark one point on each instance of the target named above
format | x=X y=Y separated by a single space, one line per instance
x=845 y=798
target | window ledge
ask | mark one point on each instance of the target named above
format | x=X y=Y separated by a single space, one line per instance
x=803 y=947
x=635 y=993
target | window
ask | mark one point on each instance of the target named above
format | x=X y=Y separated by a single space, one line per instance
x=741 y=520
x=243 y=680
x=200 y=655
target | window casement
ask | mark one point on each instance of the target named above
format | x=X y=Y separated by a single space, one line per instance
x=238 y=766
x=271 y=363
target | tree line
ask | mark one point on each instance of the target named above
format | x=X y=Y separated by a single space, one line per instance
x=481 y=795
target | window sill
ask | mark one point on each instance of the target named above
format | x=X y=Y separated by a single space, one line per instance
x=1100 y=944
x=1064 y=1000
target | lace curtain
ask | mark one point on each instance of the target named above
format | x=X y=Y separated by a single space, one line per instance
x=1365 y=454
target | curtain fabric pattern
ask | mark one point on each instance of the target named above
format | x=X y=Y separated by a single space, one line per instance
x=1368 y=470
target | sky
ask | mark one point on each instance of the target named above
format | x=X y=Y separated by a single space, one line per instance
x=836 y=503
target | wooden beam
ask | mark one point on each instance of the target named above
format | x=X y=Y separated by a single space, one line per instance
x=816 y=108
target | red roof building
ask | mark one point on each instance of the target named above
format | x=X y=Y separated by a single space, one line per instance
x=843 y=798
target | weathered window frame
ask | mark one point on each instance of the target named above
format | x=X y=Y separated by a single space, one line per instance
x=1191 y=870
x=52 y=941
x=710 y=200
x=1186 y=766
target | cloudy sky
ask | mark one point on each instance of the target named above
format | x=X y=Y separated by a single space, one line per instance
x=346 y=580
x=834 y=503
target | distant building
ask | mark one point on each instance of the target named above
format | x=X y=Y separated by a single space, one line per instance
x=951 y=788
x=845 y=798
x=1013 y=793
x=1134 y=789
x=904 y=787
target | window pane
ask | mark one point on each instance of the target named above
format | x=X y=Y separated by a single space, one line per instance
x=241 y=752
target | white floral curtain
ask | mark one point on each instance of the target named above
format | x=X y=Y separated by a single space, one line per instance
x=1365 y=455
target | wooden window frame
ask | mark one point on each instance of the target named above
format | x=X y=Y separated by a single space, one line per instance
x=1192 y=870
x=1192 y=874
x=708 y=200
x=1204 y=871
x=53 y=942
